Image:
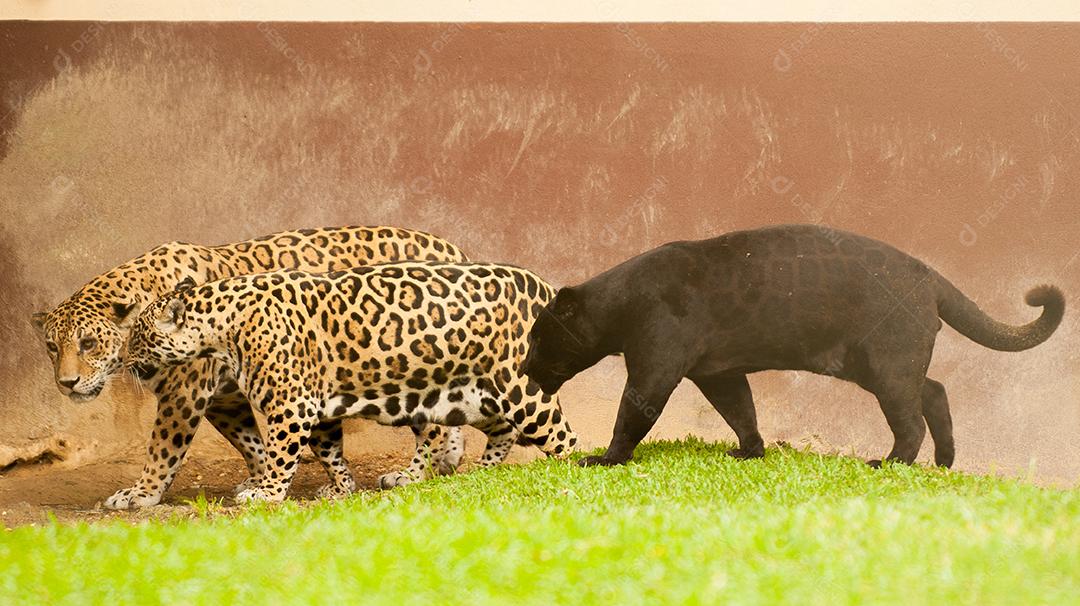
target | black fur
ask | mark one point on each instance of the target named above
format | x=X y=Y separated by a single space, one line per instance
x=794 y=297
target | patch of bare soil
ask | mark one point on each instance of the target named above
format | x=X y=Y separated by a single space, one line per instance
x=28 y=494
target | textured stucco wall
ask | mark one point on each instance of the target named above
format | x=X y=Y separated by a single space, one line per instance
x=564 y=149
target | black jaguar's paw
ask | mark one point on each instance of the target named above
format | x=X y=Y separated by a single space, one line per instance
x=749 y=453
x=944 y=460
x=598 y=461
x=876 y=463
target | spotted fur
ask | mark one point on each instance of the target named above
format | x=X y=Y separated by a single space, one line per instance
x=85 y=336
x=403 y=344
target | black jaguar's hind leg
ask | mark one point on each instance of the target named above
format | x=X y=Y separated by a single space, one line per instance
x=731 y=397
x=902 y=405
x=935 y=409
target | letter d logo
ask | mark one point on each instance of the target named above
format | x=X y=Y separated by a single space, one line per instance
x=782 y=62
x=968 y=237
x=62 y=62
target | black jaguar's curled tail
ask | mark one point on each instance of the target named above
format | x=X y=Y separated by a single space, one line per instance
x=965 y=316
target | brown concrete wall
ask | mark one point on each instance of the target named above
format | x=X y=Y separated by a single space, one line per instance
x=564 y=149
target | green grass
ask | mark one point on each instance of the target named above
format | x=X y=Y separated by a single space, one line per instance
x=682 y=524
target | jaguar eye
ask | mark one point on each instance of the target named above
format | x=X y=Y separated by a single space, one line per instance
x=52 y=347
x=87 y=343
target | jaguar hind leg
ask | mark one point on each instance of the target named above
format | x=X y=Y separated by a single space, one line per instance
x=731 y=397
x=449 y=454
x=902 y=406
x=327 y=444
x=935 y=409
x=896 y=359
x=232 y=417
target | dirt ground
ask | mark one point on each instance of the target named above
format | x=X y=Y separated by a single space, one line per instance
x=70 y=480
x=28 y=494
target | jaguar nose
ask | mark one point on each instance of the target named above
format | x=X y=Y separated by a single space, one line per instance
x=69 y=383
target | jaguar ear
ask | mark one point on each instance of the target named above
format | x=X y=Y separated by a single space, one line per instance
x=38 y=318
x=171 y=317
x=185 y=285
x=124 y=313
x=565 y=303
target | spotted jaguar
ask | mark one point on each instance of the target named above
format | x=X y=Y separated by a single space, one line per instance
x=406 y=343
x=85 y=337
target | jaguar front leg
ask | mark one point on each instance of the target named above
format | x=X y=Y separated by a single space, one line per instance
x=180 y=410
x=501 y=437
x=431 y=447
x=286 y=436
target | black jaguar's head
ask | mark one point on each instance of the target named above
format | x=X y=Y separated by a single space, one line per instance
x=565 y=339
